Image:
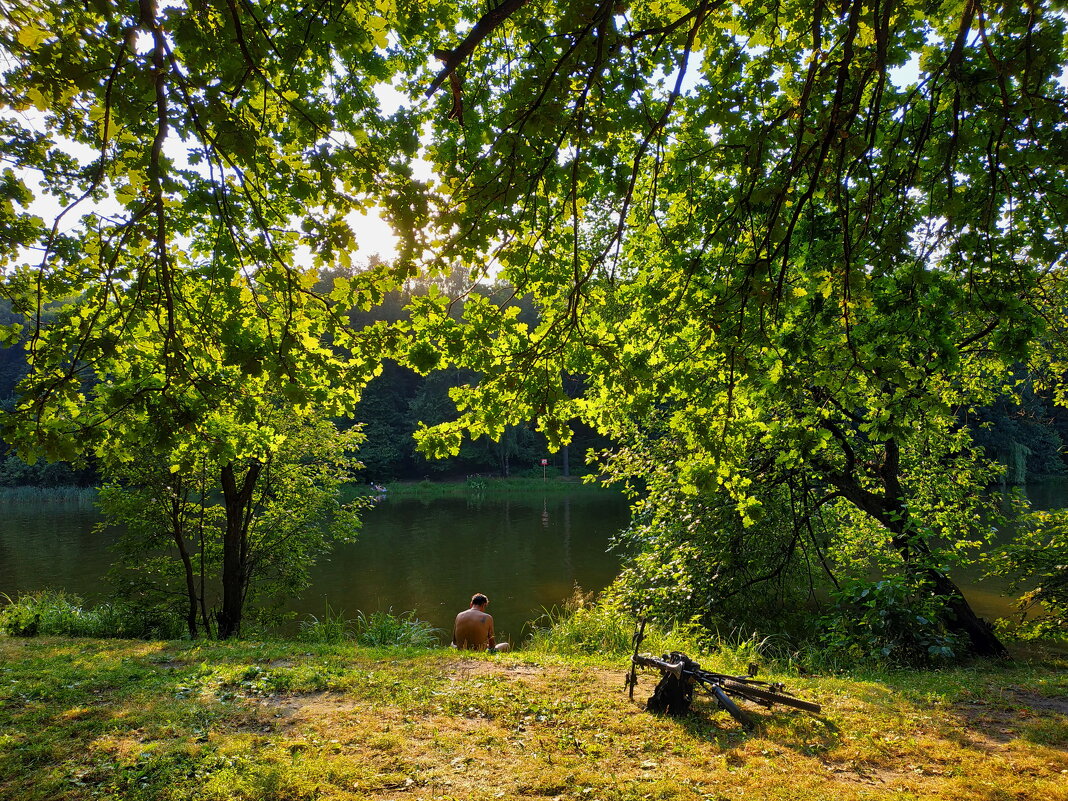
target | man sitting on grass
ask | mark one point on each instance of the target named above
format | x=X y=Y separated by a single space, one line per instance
x=473 y=629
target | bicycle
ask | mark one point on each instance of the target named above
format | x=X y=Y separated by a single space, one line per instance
x=680 y=676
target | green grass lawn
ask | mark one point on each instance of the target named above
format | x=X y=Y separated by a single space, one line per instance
x=178 y=720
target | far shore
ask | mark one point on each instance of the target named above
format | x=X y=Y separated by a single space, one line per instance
x=485 y=485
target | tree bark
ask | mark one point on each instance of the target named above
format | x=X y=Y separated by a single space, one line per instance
x=187 y=565
x=237 y=501
x=889 y=509
x=980 y=633
x=178 y=535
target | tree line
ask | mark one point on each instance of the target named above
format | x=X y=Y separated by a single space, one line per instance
x=1026 y=434
x=393 y=406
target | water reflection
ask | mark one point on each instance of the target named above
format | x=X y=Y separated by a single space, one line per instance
x=52 y=545
x=526 y=553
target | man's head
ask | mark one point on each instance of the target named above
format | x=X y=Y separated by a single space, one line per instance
x=479 y=600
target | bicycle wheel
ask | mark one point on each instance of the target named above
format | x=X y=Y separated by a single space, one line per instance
x=730 y=706
x=759 y=694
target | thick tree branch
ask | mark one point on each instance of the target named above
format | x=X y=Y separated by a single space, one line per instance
x=488 y=23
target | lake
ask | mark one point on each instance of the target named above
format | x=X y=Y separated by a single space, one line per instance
x=428 y=555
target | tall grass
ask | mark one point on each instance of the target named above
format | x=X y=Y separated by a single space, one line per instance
x=576 y=627
x=374 y=630
x=49 y=612
x=582 y=625
x=330 y=629
x=386 y=628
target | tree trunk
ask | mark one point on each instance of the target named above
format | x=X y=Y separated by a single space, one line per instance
x=891 y=511
x=237 y=501
x=980 y=633
x=202 y=568
x=190 y=584
x=178 y=533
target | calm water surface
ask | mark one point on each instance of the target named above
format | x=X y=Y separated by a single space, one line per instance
x=526 y=553
x=429 y=556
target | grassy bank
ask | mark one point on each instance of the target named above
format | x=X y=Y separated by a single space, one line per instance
x=180 y=720
x=476 y=486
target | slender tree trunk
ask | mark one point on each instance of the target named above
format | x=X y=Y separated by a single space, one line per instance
x=187 y=565
x=202 y=557
x=237 y=501
x=204 y=617
x=178 y=534
x=190 y=588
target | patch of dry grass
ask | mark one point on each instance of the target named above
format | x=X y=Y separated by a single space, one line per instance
x=104 y=719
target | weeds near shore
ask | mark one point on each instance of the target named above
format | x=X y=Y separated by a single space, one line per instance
x=374 y=630
x=64 y=614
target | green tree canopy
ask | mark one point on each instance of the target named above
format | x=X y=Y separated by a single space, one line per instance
x=197 y=162
x=796 y=242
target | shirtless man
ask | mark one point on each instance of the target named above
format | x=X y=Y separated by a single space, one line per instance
x=473 y=629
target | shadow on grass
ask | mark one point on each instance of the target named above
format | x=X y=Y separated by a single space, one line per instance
x=799 y=731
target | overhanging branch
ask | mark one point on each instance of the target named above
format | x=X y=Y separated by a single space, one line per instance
x=488 y=23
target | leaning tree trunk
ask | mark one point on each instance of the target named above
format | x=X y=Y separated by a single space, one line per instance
x=980 y=633
x=238 y=502
x=890 y=509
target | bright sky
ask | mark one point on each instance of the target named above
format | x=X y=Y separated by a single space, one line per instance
x=373 y=236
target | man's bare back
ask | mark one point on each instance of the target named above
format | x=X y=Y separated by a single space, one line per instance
x=473 y=629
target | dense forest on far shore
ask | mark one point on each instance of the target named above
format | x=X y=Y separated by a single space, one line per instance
x=391 y=409
x=1028 y=438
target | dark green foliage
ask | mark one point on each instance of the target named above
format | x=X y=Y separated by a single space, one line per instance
x=892 y=623
x=14 y=472
x=62 y=614
x=1024 y=434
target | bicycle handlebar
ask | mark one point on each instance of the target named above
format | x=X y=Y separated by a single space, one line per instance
x=645 y=660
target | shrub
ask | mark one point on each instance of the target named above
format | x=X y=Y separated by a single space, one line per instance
x=583 y=625
x=330 y=629
x=889 y=623
x=580 y=626
x=375 y=630
x=387 y=629
x=475 y=485
x=62 y=614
